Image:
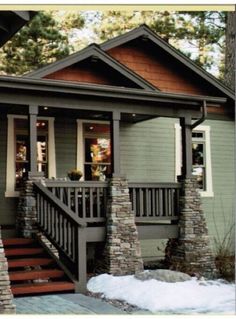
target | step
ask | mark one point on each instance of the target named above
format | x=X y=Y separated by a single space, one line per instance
x=35 y=274
x=17 y=241
x=23 y=262
x=36 y=288
x=23 y=251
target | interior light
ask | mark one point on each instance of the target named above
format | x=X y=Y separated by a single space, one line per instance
x=133 y=114
x=45 y=108
x=91 y=127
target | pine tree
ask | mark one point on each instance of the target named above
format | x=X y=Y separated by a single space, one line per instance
x=202 y=31
x=43 y=41
x=230 y=50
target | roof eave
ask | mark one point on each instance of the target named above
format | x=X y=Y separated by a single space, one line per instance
x=104 y=91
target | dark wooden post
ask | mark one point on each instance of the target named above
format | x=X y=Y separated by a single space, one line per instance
x=81 y=284
x=186 y=132
x=33 y=112
x=115 y=142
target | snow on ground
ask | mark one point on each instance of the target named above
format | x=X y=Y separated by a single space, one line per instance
x=189 y=297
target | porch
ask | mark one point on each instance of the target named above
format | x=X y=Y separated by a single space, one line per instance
x=73 y=214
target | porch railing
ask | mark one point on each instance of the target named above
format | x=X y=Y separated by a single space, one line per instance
x=86 y=199
x=65 y=230
x=155 y=201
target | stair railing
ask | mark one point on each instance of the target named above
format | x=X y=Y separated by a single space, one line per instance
x=66 y=231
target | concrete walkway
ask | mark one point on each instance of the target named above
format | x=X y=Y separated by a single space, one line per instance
x=64 y=304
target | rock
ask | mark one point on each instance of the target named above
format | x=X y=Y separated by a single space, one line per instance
x=163 y=275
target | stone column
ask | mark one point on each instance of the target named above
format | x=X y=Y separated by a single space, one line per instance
x=122 y=249
x=6 y=297
x=26 y=217
x=191 y=252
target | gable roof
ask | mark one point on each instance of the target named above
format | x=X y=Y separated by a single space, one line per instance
x=11 y=22
x=93 y=51
x=145 y=31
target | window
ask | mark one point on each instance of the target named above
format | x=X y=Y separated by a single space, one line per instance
x=201 y=157
x=94 y=150
x=18 y=153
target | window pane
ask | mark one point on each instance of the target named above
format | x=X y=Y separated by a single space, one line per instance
x=198 y=135
x=198 y=154
x=97 y=151
x=200 y=173
x=21 y=148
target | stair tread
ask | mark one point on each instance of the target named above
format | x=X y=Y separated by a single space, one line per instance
x=21 y=262
x=20 y=289
x=17 y=241
x=35 y=274
x=23 y=251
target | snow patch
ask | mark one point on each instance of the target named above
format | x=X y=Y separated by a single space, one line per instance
x=193 y=296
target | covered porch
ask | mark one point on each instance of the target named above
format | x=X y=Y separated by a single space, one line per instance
x=74 y=213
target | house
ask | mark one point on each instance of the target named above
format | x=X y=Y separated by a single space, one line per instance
x=132 y=114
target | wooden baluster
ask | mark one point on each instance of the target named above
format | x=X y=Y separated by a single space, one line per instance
x=83 y=202
x=76 y=202
x=53 y=223
x=68 y=233
x=146 y=201
x=56 y=226
x=98 y=203
x=103 y=213
x=134 y=201
x=153 y=202
x=166 y=202
x=141 y=202
x=65 y=235
x=69 y=197
x=91 y=212
x=177 y=208
x=157 y=200
x=160 y=202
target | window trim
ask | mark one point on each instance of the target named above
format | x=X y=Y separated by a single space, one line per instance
x=80 y=143
x=206 y=129
x=10 y=167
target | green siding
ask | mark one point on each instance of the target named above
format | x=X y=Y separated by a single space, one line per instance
x=220 y=209
x=148 y=155
x=66 y=145
x=148 y=150
x=8 y=205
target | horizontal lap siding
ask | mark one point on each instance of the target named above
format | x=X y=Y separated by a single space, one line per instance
x=220 y=209
x=7 y=205
x=148 y=151
x=66 y=145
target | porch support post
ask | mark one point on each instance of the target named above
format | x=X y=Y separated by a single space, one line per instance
x=33 y=112
x=186 y=132
x=191 y=251
x=115 y=138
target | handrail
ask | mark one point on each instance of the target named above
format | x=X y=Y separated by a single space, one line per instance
x=62 y=183
x=66 y=231
x=60 y=205
x=154 y=185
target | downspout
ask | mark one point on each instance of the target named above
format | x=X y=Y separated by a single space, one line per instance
x=203 y=117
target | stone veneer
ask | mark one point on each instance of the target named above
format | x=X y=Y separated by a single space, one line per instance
x=122 y=249
x=26 y=216
x=191 y=252
x=6 y=297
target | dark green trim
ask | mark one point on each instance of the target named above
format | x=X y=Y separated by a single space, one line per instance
x=92 y=51
x=152 y=36
x=11 y=22
x=104 y=91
